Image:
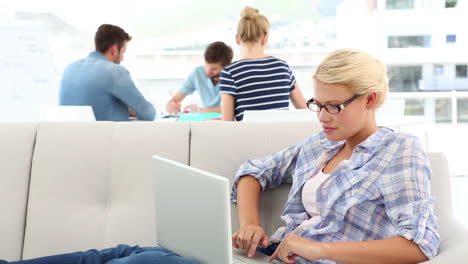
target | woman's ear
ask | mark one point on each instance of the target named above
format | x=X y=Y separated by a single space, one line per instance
x=237 y=39
x=264 y=40
x=372 y=99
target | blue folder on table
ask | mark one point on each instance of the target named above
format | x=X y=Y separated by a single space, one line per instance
x=199 y=116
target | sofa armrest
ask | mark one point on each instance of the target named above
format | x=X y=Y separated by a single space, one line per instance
x=453 y=244
x=457 y=254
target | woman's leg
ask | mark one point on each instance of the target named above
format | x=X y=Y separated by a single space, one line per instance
x=153 y=255
x=92 y=256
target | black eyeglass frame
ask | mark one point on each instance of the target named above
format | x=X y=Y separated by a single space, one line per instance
x=329 y=107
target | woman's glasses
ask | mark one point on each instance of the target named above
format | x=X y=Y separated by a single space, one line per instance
x=330 y=108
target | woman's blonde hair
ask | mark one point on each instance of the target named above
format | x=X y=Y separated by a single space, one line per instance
x=357 y=70
x=252 y=26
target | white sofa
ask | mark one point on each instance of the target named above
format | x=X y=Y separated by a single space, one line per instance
x=69 y=186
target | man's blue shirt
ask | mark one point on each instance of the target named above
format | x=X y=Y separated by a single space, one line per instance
x=106 y=86
x=198 y=81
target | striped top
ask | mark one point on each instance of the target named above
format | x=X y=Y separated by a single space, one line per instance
x=258 y=84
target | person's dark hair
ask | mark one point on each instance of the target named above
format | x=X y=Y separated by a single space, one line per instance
x=109 y=35
x=218 y=52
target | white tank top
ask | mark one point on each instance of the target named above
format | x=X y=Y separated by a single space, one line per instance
x=309 y=192
x=309 y=198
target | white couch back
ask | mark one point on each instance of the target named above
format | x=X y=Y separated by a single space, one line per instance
x=16 y=147
x=90 y=184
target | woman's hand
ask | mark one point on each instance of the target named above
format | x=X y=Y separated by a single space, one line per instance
x=249 y=237
x=294 y=246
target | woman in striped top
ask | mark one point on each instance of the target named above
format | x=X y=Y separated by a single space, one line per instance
x=257 y=81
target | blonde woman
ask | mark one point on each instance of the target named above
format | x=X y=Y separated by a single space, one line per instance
x=360 y=193
x=257 y=81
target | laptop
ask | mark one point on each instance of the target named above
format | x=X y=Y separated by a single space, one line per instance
x=193 y=215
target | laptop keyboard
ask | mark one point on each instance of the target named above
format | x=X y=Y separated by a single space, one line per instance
x=237 y=261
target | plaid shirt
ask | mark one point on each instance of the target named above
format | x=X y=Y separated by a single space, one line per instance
x=382 y=191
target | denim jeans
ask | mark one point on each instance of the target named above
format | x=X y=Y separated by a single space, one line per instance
x=122 y=254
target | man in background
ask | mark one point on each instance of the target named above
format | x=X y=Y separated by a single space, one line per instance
x=205 y=80
x=101 y=82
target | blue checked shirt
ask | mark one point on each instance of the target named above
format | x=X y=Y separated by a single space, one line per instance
x=382 y=191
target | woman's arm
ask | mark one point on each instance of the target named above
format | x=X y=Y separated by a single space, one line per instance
x=391 y=250
x=227 y=107
x=252 y=177
x=250 y=233
x=248 y=195
x=297 y=98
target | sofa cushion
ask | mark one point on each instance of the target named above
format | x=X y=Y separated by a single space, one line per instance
x=91 y=184
x=17 y=144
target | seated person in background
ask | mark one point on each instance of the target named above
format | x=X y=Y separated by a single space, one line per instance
x=257 y=81
x=205 y=80
x=360 y=193
x=101 y=82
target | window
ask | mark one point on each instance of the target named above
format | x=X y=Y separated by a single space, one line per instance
x=450 y=3
x=461 y=71
x=414 y=106
x=405 y=78
x=451 y=38
x=438 y=69
x=409 y=41
x=399 y=4
x=443 y=110
x=462 y=110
